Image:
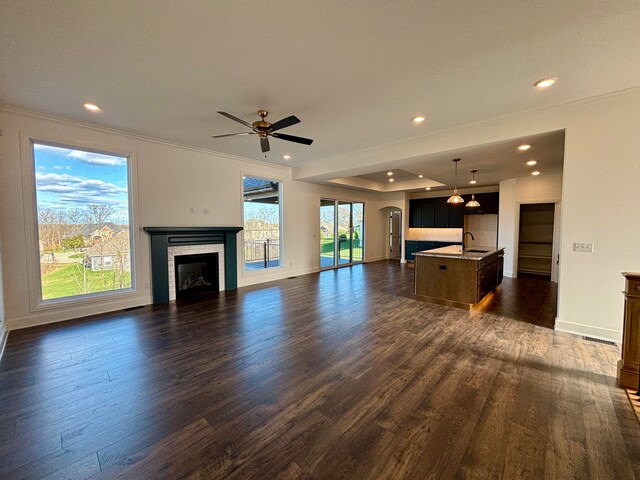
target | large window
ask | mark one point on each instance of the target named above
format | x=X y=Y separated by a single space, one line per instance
x=262 y=203
x=83 y=221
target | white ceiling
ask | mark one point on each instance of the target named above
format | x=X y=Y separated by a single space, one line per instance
x=354 y=72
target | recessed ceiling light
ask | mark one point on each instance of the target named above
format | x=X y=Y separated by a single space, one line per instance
x=92 y=107
x=545 y=82
x=531 y=162
x=418 y=119
x=420 y=176
x=524 y=148
x=391 y=180
x=427 y=188
x=389 y=173
x=535 y=173
x=286 y=157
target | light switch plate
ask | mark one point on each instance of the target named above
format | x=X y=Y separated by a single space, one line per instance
x=583 y=247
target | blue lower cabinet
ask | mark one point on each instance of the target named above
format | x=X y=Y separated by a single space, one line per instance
x=413 y=246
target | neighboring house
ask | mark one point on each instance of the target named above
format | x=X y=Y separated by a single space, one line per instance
x=110 y=252
x=94 y=233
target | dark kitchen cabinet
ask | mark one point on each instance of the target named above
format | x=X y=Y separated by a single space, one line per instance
x=441 y=213
x=422 y=213
x=456 y=215
x=413 y=246
x=449 y=215
x=437 y=213
x=489 y=203
x=415 y=213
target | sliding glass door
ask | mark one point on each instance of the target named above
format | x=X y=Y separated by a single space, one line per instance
x=341 y=233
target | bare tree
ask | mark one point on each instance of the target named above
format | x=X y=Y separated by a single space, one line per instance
x=99 y=213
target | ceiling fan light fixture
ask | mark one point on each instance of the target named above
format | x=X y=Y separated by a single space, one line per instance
x=265 y=129
x=455 y=198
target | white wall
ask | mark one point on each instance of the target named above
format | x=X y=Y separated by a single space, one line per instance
x=513 y=193
x=484 y=229
x=171 y=180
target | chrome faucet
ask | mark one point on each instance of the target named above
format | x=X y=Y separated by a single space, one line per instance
x=464 y=237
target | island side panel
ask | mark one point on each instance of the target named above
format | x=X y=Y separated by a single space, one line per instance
x=446 y=278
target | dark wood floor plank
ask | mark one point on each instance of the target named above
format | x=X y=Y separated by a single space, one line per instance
x=342 y=374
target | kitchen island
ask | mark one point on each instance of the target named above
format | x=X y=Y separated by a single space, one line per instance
x=458 y=277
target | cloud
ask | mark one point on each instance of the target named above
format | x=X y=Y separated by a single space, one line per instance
x=83 y=156
x=61 y=167
x=97 y=158
x=71 y=189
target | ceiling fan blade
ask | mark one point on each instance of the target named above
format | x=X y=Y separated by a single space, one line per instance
x=264 y=144
x=233 y=134
x=285 y=122
x=239 y=120
x=293 y=138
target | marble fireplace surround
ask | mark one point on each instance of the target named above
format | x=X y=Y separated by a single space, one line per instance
x=164 y=237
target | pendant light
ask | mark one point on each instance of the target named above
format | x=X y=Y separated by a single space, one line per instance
x=455 y=198
x=473 y=203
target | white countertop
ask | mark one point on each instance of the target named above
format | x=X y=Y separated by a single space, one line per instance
x=456 y=251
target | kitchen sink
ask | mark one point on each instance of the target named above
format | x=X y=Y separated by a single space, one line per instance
x=471 y=250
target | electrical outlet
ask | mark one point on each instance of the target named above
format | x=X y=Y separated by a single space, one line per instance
x=583 y=247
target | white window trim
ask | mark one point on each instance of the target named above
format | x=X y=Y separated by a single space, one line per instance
x=36 y=304
x=281 y=189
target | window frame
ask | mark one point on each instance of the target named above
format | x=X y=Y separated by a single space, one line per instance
x=264 y=271
x=30 y=206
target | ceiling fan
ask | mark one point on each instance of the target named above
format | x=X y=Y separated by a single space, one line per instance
x=264 y=129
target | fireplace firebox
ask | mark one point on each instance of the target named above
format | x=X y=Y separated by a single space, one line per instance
x=196 y=274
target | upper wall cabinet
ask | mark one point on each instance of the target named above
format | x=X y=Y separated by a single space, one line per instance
x=437 y=213
x=489 y=203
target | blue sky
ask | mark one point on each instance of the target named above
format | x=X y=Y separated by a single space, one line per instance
x=68 y=179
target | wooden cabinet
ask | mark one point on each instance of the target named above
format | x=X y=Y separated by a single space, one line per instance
x=487 y=279
x=629 y=364
x=457 y=281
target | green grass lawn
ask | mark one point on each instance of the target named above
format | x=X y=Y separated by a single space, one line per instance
x=327 y=246
x=70 y=279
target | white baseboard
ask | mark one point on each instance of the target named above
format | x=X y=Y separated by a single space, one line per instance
x=3 y=342
x=271 y=274
x=47 y=317
x=375 y=259
x=589 y=330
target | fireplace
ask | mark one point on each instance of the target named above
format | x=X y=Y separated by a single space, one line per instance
x=168 y=243
x=195 y=274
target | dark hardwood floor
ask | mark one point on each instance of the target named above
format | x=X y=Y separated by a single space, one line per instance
x=340 y=374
